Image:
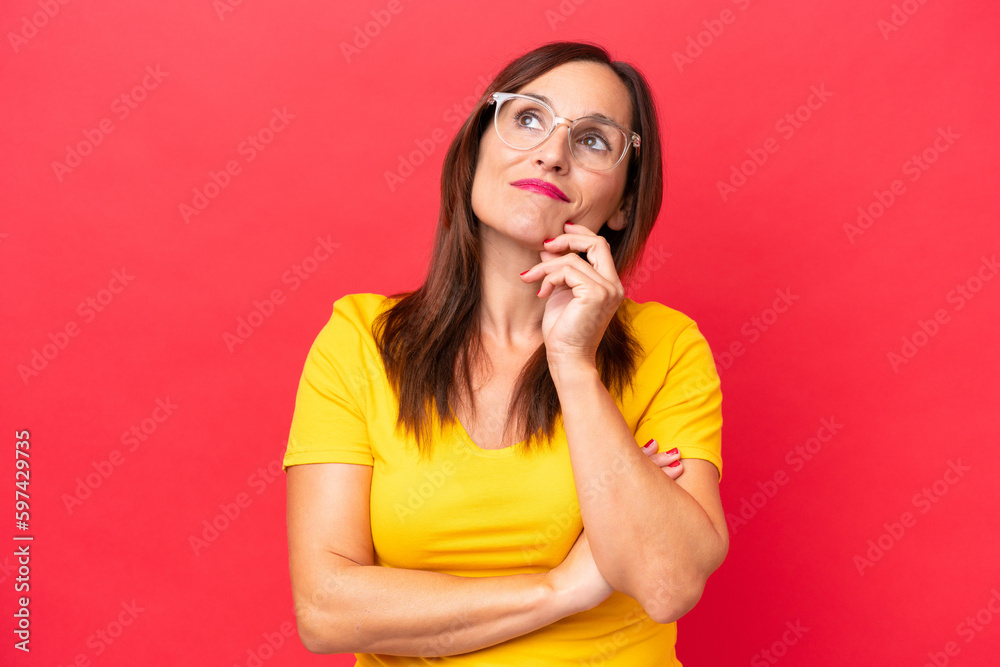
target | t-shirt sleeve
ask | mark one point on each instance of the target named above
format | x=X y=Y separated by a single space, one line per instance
x=686 y=411
x=329 y=423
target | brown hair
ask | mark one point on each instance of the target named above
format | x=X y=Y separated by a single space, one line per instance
x=430 y=332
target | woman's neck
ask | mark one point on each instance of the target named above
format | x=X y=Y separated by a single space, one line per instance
x=510 y=312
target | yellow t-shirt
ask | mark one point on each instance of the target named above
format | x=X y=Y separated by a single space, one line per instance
x=475 y=512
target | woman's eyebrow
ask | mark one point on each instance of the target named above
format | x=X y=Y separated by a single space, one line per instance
x=549 y=102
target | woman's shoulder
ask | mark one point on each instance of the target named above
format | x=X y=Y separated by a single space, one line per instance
x=667 y=334
x=363 y=307
x=352 y=316
x=655 y=318
x=361 y=304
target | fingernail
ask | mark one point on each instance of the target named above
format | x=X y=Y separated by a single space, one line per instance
x=547 y=240
x=525 y=271
x=674 y=464
x=673 y=451
x=651 y=441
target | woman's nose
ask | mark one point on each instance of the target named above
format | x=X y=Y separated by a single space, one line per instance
x=555 y=150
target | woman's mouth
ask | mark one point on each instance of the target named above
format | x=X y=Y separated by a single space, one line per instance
x=542 y=187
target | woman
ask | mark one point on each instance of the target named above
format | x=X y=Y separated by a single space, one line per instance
x=421 y=526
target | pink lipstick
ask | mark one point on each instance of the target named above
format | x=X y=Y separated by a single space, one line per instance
x=542 y=187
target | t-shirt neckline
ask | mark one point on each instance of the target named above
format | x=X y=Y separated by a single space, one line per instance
x=504 y=452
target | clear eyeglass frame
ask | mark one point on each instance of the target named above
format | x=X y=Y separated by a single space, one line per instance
x=631 y=138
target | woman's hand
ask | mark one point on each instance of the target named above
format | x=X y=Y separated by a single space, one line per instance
x=576 y=580
x=581 y=295
x=665 y=459
x=577 y=583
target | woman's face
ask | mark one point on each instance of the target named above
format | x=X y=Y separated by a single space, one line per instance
x=575 y=89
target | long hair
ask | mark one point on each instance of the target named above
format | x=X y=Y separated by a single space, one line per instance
x=430 y=338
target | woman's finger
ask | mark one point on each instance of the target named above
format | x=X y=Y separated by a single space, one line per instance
x=580 y=239
x=669 y=462
x=673 y=472
x=554 y=267
x=579 y=274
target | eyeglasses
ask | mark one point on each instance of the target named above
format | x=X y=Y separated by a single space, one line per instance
x=523 y=122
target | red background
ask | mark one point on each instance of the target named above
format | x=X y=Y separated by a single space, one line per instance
x=357 y=116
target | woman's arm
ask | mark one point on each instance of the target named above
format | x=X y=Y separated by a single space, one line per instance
x=654 y=539
x=346 y=604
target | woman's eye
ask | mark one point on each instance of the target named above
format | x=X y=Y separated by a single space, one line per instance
x=525 y=119
x=594 y=142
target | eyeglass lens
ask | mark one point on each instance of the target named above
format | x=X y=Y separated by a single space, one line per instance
x=523 y=123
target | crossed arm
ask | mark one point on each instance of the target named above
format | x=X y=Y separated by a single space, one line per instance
x=344 y=603
x=653 y=538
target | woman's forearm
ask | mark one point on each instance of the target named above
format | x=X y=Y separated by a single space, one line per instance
x=650 y=538
x=375 y=609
